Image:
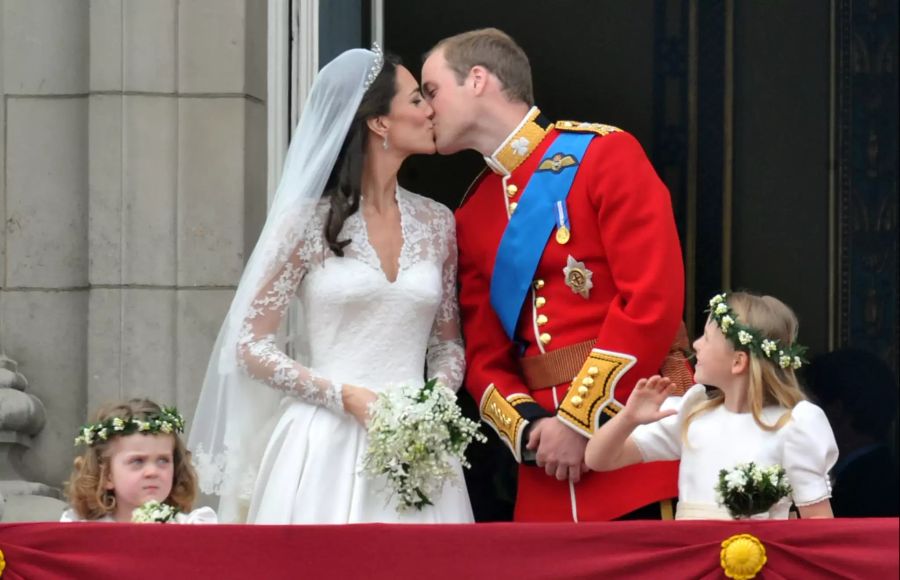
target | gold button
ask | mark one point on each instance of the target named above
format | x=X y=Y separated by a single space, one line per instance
x=511 y=190
x=538 y=284
x=593 y=371
x=542 y=320
x=540 y=301
x=582 y=390
x=513 y=206
x=545 y=338
x=587 y=381
x=577 y=401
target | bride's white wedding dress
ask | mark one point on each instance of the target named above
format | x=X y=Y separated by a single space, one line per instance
x=359 y=328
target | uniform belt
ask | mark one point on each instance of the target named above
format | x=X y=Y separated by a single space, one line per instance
x=676 y=366
x=563 y=364
x=555 y=367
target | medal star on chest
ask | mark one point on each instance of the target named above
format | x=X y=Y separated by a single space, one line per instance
x=578 y=277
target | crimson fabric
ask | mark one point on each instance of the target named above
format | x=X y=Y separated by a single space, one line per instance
x=848 y=548
x=657 y=479
x=623 y=230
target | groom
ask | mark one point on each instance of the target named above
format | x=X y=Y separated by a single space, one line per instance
x=571 y=279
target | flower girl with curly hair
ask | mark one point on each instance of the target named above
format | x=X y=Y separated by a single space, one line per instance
x=134 y=468
x=754 y=412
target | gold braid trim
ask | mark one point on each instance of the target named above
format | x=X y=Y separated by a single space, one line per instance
x=581 y=127
x=591 y=398
x=502 y=415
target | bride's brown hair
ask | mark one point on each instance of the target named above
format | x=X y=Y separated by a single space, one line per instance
x=344 y=183
x=86 y=487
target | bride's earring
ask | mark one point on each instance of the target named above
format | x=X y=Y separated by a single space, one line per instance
x=384 y=144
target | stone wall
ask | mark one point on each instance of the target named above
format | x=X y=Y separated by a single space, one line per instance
x=134 y=172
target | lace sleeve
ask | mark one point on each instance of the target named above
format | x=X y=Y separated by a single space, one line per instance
x=258 y=352
x=446 y=357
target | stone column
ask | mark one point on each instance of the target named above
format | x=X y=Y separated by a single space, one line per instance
x=177 y=186
x=22 y=416
x=44 y=189
x=133 y=188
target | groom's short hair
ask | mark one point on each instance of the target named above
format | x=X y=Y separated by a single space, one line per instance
x=494 y=50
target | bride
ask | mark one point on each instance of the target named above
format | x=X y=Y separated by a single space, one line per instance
x=371 y=271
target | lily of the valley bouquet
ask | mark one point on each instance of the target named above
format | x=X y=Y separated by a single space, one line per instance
x=154 y=512
x=747 y=489
x=416 y=435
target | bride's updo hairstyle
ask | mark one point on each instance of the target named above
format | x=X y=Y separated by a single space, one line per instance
x=344 y=183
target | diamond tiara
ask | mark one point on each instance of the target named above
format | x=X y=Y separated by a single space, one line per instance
x=375 y=68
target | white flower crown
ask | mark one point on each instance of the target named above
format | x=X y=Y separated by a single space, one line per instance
x=168 y=420
x=750 y=339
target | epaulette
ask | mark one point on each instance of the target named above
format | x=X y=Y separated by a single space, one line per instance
x=580 y=127
x=472 y=186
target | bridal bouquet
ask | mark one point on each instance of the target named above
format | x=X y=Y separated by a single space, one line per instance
x=154 y=512
x=415 y=435
x=746 y=489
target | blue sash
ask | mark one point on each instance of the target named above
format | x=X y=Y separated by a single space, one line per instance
x=530 y=226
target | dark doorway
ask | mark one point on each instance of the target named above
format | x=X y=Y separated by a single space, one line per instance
x=590 y=62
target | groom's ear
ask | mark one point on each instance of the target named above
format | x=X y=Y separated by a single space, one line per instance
x=478 y=76
x=378 y=125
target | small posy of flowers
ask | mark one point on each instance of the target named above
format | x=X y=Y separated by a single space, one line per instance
x=747 y=489
x=154 y=512
x=416 y=435
x=748 y=338
x=168 y=420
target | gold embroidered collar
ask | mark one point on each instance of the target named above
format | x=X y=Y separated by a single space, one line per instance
x=518 y=146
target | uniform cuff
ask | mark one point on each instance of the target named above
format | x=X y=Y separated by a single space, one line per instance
x=510 y=417
x=591 y=400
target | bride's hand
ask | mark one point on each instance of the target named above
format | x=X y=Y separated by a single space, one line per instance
x=357 y=401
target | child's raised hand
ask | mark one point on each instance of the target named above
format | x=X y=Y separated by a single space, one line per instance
x=646 y=398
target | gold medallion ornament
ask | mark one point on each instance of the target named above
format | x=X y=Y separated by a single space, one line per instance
x=578 y=277
x=742 y=556
x=562 y=235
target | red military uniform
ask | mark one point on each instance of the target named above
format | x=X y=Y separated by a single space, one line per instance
x=603 y=310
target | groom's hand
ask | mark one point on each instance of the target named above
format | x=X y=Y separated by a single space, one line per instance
x=560 y=450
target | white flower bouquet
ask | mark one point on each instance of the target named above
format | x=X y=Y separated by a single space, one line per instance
x=747 y=489
x=154 y=512
x=415 y=436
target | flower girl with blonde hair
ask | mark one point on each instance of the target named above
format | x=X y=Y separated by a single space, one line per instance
x=754 y=412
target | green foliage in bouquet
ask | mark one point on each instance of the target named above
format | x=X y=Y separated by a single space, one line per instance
x=154 y=512
x=416 y=435
x=747 y=489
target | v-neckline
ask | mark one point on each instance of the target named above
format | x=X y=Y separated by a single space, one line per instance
x=378 y=262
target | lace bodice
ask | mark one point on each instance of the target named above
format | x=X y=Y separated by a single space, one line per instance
x=354 y=325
